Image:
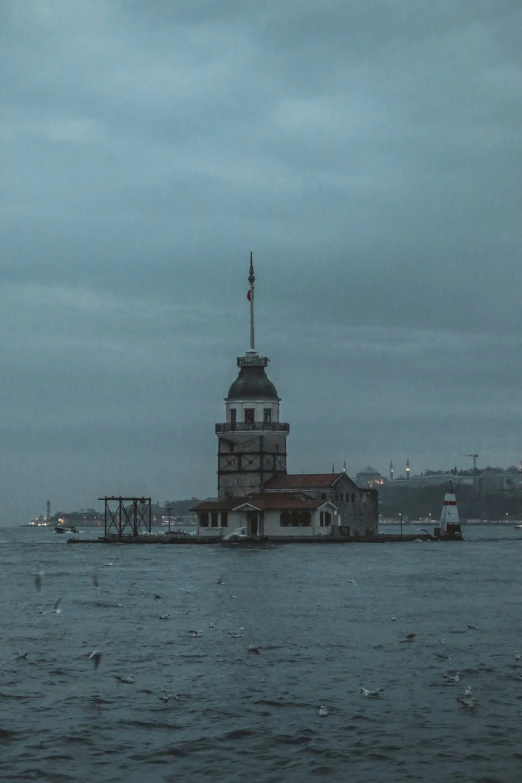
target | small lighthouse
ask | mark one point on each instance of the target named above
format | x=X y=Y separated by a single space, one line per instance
x=408 y=468
x=449 y=518
x=391 y=470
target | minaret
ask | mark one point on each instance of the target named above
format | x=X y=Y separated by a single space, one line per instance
x=408 y=468
x=252 y=440
x=48 y=510
x=391 y=470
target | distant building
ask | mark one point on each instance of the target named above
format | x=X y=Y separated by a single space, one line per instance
x=255 y=491
x=369 y=477
x=491 y=483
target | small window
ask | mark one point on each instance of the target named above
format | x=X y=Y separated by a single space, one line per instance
x=296 y=519
x=224 y=519
x=323 y=496
x=267 y=415
x=342 y=497
x=214 y=518
x=203 y=518
x=233 y=415
x=250 y=415
x=326 y=519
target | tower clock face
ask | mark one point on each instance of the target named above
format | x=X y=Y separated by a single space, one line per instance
x=228 y=462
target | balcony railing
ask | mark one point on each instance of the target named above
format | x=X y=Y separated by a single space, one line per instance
x=252 y=359
x=253 y=426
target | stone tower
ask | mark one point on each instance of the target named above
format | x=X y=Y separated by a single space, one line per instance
x=252 y=440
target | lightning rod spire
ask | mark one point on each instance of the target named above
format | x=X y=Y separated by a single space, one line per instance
x=251 y=280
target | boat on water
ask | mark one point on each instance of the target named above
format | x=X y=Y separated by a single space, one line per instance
x=63 y=529
x=449 y=529
x=518 y=527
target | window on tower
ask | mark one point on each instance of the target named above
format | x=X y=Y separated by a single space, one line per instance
x=233 y=415
x=214 y=518
x=267 y=415
x=203 y=518
x=250 y=415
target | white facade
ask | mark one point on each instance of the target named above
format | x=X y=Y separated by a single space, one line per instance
x=269 y=522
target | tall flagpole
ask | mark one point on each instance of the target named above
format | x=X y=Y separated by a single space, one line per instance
x=251 y=280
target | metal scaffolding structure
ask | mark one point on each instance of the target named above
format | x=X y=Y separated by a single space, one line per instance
x=133 y=515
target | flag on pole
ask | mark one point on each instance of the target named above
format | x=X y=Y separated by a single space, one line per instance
x=250 y=294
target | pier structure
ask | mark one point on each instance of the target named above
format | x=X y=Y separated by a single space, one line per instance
x=127 y=515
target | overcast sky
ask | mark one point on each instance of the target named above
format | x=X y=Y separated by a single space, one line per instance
x=369 y=152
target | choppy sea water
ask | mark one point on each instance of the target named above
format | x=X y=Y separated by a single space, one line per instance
x=243 y=716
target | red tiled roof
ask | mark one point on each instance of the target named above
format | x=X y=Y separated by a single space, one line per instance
x=302 y=480
x=213 y=505
x=263 y=501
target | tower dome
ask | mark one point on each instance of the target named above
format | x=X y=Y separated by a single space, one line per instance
x=252 y=382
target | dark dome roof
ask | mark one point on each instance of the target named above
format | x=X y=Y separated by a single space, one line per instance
x=252 y=382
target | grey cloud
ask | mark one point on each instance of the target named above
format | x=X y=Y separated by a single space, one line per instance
x=369 y=154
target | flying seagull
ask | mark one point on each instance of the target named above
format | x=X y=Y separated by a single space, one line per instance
x=372 y=694
x=219 y=580
x=38 y=576
x=57 y=609
x=95 y=583
x=21 y=656
x=95 y=657
x=408 y=638
x=253 y=649
x=443 y=656
x=195 y=634
x=165 y=696
x=517 y=655
x=452 y=677
x=128 y=680
x=323 y=711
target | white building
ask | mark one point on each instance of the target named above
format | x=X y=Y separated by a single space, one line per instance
x=254 y=489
